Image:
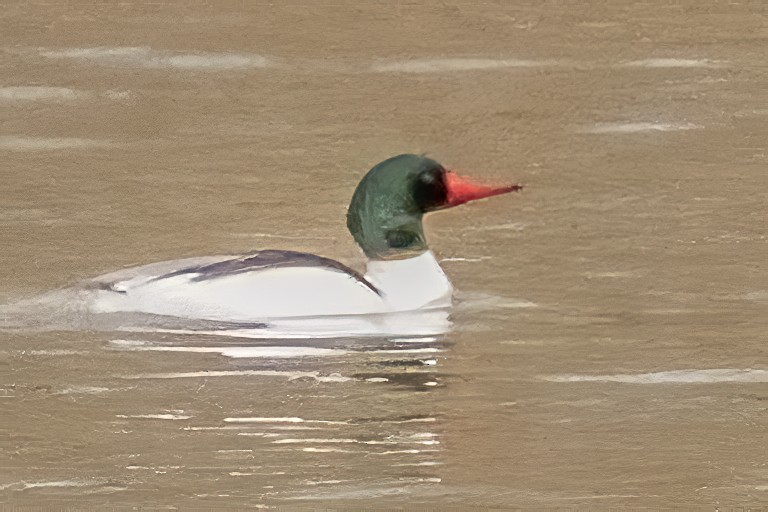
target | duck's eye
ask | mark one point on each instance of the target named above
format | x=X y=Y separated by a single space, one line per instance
x=429 y=190
x=428 y=177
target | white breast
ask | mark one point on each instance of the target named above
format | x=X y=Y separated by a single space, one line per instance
x=413 y=283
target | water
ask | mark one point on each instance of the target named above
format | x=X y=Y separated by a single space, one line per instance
x=608 y=342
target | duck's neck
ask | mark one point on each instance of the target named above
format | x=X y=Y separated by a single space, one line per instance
x=411 y=283
x=384 y=236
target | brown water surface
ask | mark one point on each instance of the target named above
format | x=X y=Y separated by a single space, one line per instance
x=609 y=337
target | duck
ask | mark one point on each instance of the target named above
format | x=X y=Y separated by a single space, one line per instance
x=384 y=218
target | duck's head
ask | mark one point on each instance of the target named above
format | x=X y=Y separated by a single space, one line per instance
x=387 y=207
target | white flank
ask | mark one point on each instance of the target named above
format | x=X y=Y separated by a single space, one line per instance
x=15 y=143
x=145 y=57
x=442 y=65
x=40 y=93
x=711 y=376
x=672 y=63
x=638 y=127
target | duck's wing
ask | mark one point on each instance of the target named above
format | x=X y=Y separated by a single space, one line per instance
x=217 y=267
x=264 y=260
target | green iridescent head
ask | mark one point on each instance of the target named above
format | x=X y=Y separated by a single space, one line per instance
x=387 y=207
x=386 y=211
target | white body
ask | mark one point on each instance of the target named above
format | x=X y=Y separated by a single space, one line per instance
x=261 y=295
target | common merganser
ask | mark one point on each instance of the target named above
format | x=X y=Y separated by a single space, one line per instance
x=385 y=219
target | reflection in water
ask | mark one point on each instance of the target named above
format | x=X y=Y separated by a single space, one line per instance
x=326 y=447
x=289 y=417
x=406 y=360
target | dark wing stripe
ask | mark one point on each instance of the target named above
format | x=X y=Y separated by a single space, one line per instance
x=264 y=260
